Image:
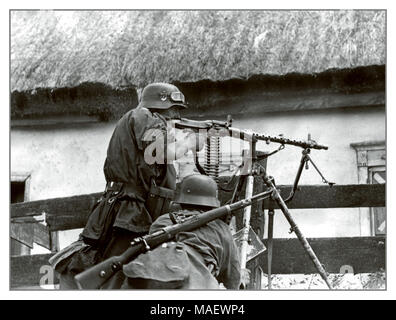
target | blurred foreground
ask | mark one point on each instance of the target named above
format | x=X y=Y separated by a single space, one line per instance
x=348 y=281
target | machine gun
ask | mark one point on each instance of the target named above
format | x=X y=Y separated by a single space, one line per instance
x=96 y=276
x=253 y=168
x=213 y=125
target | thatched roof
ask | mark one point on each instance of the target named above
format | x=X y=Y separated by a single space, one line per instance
x=96 y=100
x=336 y=88
x=52 y=49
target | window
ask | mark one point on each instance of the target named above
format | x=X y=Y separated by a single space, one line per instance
x=21 y=235
x=17 y=192
x=378 y=214
x=20 y=187
x=25 y=235
x=371 y=163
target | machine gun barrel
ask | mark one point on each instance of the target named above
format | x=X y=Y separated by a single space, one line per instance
x=253 y=136
x=244 y=134
x=303 y=144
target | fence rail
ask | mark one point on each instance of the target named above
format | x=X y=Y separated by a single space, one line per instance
x=364 y=254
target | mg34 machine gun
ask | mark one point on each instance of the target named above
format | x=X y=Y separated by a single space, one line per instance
x=250 y=168
x=96 y=276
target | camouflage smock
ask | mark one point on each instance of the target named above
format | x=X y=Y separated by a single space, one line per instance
x=125 y=163
x=183 y=263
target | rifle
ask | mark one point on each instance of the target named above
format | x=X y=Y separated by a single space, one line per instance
x=96 y=276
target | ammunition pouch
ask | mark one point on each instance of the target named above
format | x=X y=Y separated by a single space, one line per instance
x=98 y=230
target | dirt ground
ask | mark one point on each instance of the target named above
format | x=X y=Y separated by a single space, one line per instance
x=348 y=281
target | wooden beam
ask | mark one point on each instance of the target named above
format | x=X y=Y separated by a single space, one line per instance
x=23 y=233
x=17 y=248
x=72 y=212
x=42 y=236
x=64 y=204
x=363 y=254
x=61 y=213
x=54 y=241
x=337 y=196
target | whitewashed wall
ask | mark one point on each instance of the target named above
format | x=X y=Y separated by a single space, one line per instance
x=63 y=160
x=68 y=160
x=336 y=129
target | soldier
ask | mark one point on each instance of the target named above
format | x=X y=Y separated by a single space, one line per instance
x=199 y=259
x=140 y=181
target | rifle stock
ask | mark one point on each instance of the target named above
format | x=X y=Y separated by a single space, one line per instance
x=96 y=276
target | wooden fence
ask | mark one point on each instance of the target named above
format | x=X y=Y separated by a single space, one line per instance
x=364 y=254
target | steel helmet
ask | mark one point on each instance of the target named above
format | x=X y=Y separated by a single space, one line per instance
x=198 y=189
x=161 y=96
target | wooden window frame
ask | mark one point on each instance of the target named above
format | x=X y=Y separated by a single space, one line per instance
x=373 y=170
x=370 y=155
x=17 y=246
x=22 y=177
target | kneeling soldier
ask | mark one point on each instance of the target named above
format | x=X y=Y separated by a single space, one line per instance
x=199 y=259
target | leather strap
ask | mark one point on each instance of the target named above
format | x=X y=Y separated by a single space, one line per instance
x=127 y=188
x=162 y=192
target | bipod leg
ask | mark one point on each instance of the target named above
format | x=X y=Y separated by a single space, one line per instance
x=294 y=228
x=271 y=213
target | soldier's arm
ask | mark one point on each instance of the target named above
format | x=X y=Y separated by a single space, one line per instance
x=151 y=133
x=230 y=274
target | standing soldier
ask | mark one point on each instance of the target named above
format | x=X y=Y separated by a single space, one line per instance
x=138 y=188
x=198 y=259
